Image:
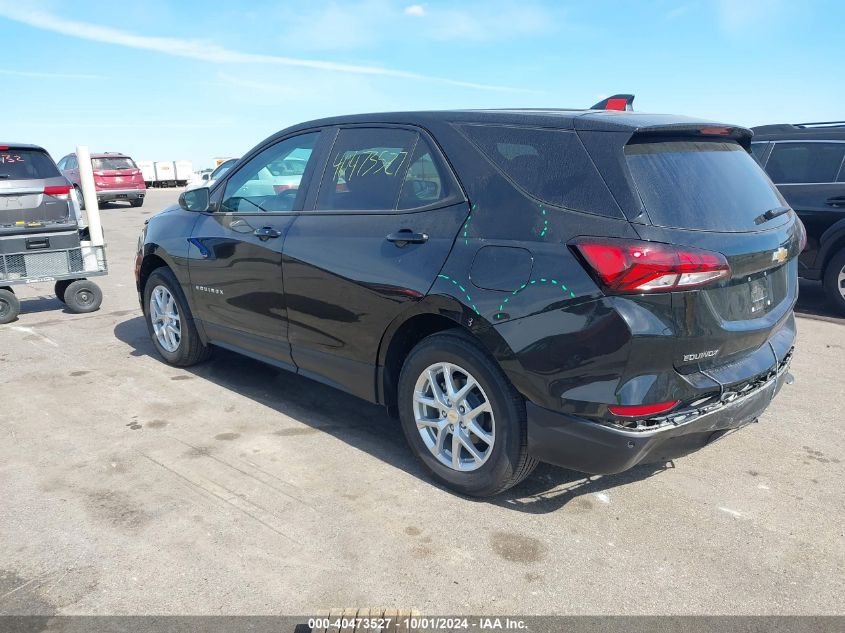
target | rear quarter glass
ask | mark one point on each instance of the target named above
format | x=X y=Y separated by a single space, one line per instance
x=26 y=164
x=702 y=185
x=550 y=165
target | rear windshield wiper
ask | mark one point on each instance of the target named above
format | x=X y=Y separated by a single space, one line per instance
x=771 y=214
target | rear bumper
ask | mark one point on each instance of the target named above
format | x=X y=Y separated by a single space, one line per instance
x=105 y=195
x=594 y=448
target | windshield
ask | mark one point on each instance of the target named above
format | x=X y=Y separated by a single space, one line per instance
x=702 y=185
x=113 y=163
x=26 y=164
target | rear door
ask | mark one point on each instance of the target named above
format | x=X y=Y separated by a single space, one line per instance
x=711 y=194
x=236 y=252
x=33 y=194
x=369 y=245
x=806 y=174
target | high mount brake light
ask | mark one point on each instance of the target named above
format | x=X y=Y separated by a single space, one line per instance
x=58 y=191
x=715 y=131
x=641 y=410
x=632 y=266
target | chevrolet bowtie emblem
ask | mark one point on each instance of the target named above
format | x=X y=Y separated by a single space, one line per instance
x=780 y=255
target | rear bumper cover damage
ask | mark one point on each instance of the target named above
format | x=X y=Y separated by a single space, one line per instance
x=598 y=449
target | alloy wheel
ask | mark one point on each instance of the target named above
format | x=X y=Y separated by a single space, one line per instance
x=164 y=316
x=454 y=417
x=840 y=282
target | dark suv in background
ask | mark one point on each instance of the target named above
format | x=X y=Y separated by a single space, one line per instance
x=807 y=163
x=587 y=288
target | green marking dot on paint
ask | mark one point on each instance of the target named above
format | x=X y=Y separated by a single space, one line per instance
x=466 y=225
x=468 y=298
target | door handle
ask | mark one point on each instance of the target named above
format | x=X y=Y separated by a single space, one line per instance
x=407 y=236
x=836 y=201
x=266 y=232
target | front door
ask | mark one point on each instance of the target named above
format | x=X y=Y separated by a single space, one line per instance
x=236 y=251
x=384 y=221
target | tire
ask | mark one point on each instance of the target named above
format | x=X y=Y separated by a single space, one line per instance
x=10 y=306
x=138 y=202
x=79 y=197
x=506 y=462
x=834 y=281
x=83 y=296
x=60 y=288
x=189 y=348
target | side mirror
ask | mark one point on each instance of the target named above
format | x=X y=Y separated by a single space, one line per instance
x=195 y=200
x=206 y=177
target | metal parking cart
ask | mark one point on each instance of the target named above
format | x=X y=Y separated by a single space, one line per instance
x=42 y=237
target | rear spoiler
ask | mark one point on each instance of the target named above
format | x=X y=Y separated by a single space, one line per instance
x=712 y=130
x=616 y=102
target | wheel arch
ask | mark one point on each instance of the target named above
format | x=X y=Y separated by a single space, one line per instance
x=435 y=313
x=831 y=242
x=153 y=258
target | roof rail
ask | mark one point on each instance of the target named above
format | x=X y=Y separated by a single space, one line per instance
x=822 y=124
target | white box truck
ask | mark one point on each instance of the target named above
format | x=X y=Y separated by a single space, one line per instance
x=147 y=171
x=184 y=170
x=165 y=173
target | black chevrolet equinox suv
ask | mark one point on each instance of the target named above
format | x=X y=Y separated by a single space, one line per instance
x=587 y=288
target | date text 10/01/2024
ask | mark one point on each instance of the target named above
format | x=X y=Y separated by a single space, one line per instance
x=419 y=623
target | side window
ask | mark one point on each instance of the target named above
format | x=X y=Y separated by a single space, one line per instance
x=61 y=163
x=269 y=182
x=550 y=165
x=71 y=163
x=425 y=182
x=758 y=150
x=366 y=169
x=805 y=162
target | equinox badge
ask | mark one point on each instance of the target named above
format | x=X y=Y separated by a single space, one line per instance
x=710 y=353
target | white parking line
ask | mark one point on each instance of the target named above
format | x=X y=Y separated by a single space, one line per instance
x=32 y=332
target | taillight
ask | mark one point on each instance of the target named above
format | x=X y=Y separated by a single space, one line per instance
x=634 y=266
x=642 y=410
x=58 y=191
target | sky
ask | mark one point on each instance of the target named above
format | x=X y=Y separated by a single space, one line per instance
x=197 y=80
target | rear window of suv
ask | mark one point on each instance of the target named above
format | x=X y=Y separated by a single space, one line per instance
x=701 y=185
x=26 y=164
x=549 y=165
x=113 y=163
